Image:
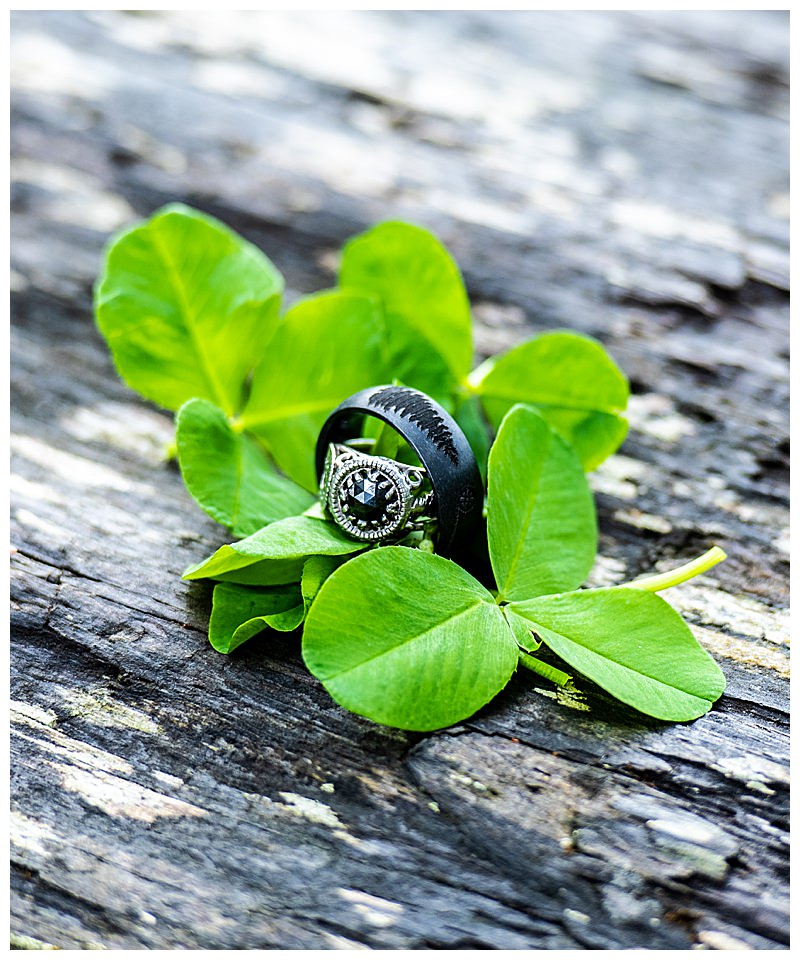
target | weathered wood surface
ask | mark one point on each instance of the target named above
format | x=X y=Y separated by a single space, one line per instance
x=622 y=174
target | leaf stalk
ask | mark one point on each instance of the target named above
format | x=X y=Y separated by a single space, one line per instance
x=544 y=669
x=671 y=578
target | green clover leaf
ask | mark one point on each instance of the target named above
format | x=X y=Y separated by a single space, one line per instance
x=326 y=347
x=239 y=613
x=424 y=300
x=571 y=380
x=275 y=554
x=187 y=307
x=422 y=645
x=393 y=633
x=540 y=513
x=632 y=644
x=229 y=474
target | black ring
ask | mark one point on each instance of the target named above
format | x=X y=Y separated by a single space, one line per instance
x=437 y=440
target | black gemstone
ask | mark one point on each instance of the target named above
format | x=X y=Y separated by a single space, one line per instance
x=366 y=501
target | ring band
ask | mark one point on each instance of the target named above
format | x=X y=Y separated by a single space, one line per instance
x=437 y=440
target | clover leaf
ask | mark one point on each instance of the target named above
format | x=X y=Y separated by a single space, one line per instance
x=571 y=381
x=425 y=304
x=229 y=474
x=631 y=643
x=274 y=552
x=326 y=347
x=540 y=512
x=392 y=634
x=187 y=307
x=239 y=613
x=422 y=645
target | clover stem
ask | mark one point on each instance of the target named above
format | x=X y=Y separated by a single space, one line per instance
x=465 y=390
x=544 y=669
x=660 y=581
x=473 y=380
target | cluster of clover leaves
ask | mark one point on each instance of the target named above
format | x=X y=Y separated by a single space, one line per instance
x=192 y=315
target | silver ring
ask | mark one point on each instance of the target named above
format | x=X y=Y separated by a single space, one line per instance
x=373 y=498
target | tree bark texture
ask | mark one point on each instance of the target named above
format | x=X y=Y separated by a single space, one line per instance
x=621 y=174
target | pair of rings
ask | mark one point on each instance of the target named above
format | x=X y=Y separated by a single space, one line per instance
x=376 y=499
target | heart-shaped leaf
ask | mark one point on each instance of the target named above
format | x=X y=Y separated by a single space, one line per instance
x=571 y=381
x=540 y=513
x=187 y=307
x=408 y=639
x=229 y=474
x=631 y=643
x=424 y=299
x=325 y=348
x=285 y=544
x=239 y=613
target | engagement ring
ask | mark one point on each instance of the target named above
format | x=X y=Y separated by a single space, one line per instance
x=373 y=498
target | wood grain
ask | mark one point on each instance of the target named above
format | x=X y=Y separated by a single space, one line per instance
x=623 y=174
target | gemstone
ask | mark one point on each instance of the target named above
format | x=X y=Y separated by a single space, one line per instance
x=368 y=498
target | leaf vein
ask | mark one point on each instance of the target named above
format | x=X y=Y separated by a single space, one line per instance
x=406 y=640
x=174 y=276
x=532 y=496
x=286 y=413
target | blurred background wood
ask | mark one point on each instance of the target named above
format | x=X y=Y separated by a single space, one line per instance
x=623 y=174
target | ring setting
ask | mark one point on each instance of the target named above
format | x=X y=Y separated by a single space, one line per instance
x=373 y=498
